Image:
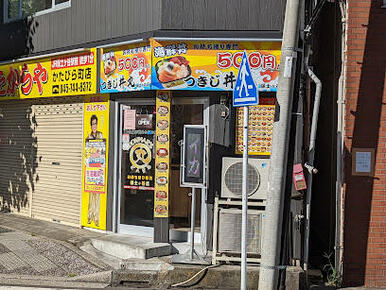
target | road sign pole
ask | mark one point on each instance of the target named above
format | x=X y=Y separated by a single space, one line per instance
x=243 y=285
x=245 y=94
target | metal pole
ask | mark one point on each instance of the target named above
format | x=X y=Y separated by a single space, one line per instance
x=272 y=229
x=243 y=285
x=193 y=217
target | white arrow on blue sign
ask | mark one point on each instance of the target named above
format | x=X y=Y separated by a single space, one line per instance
x=245 y=92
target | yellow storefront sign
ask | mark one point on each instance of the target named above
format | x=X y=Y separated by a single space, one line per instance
x=95 y=161
x=213 y=65
x=125 y=68
x=67 y=75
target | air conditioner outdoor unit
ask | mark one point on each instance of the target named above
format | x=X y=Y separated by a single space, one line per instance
x=231 y=181
x=229 y=231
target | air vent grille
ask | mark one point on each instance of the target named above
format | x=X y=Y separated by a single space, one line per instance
x=234 y=179
x=229 y=232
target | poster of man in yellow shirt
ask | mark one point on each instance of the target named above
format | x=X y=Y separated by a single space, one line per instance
x=95 y=155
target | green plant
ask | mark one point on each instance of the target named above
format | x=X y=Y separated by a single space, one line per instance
x=72 y=275
x=333 y=275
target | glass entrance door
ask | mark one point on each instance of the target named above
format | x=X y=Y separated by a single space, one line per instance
x=136 y=158
x=137 y=148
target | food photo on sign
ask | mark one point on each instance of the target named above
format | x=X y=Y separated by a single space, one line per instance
x=126 y=68
x=213 y=65
x=161 y=198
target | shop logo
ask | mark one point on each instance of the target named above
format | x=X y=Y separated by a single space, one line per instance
x=140 y=154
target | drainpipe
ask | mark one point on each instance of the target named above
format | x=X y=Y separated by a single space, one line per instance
x=272 y=223
x=340 y=144
x=310 y=167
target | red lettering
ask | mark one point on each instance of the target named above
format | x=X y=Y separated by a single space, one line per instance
x=224 y=60
x=141 y=62
x=128 y=63
x=269 y=62
x=255 y=60
x=121 y=64
x=135 y=62
x=26 y=80
x=131 y=63
x=13 y=81
x=40 y=76
x=237 y=56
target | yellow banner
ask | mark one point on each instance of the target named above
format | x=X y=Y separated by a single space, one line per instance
x=67 y=75
x=162 y=158
x=125 y=69
x=213 y=65
x=95 y=161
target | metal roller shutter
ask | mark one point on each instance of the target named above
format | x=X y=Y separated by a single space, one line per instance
x=18 y=156
x=59 y=134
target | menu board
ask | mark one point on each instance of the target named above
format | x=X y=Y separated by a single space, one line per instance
x=162 y=158
x=194 y=156
x=260 y=128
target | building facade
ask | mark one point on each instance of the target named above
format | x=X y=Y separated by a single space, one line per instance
x=348 y=218
x=96 y=94
x=364 y=192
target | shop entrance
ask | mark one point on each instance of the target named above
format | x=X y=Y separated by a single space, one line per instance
x=136 y=168
x=185 y=111
x=135 y=178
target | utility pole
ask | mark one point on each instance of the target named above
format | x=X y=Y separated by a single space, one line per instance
x=272 y=229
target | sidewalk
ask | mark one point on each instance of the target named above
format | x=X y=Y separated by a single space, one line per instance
x=44 y=254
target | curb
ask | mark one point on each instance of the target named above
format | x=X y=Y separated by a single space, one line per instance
x=97 y=280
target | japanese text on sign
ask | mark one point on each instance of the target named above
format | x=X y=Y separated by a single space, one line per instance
x=211 y=65
x=126 y=69
x=68 y=75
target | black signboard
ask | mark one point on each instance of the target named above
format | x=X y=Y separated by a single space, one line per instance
x=139 y=169
x=193 y=170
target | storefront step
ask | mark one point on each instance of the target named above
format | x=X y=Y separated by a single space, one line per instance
x=131 y=247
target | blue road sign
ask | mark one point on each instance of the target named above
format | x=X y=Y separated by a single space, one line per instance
x=245 y=92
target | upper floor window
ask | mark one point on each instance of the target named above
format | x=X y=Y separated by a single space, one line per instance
x=17 y=9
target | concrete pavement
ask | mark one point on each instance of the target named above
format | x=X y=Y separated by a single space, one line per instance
x=37 y=253
x=44 y=254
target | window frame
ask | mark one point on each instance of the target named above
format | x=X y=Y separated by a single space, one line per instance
x=54 y=7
